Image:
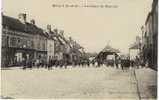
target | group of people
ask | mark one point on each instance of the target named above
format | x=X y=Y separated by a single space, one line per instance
x=49 y=64
x=123 y=63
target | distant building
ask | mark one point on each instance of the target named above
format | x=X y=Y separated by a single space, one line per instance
x=50 y=43
x=59 y=46
x=134 y=51
x=76 y=51
x=22 y=40
x=104 y=55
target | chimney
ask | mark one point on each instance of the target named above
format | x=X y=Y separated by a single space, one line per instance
x=22 y=17
x=48 y=28
x=32 y=21
x=62 y=32
x=56 y=30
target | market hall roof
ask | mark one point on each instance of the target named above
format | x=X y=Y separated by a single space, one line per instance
x=108 y=48
x=17 y=25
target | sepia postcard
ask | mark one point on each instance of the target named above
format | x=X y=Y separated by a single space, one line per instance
x=79 y=49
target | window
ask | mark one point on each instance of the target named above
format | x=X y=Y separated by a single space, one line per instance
x=7 y=41
x=4 y=32
x=19 y=42
x=29 y=44
x=38 y=45
x=3 y=40
x=13 y=42
x=32 y=45
x=43 y=46
x=24 y=43
x=19 y=57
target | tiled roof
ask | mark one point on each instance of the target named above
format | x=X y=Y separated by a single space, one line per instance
x=15 y=24
x=12 y=23
x=110 y=49
x=56 y=37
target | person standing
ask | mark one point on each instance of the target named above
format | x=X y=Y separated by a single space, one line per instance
x=122 y=64
x=30 y=63
x=132 y=63
x=49 y=64
x=24 y=63
x=117 y=62
x=93 y=62
x=98 y=62
x=37 y=63
x=137 y=60
x=88 y=62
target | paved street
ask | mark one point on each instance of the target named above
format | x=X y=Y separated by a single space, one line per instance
x=102 y=83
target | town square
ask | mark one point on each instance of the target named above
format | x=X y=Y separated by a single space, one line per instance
x=83 y=51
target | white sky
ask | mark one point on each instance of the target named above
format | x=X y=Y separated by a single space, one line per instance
x=90 y=27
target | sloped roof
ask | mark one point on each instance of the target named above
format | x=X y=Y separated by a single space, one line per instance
x=65 y=40
x=61 y=38
x=108 y=48
x=50 y=35
x=57 y=37
x=15 y=24
x=12 y=23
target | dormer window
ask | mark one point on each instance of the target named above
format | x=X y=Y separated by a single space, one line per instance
x=22 y=17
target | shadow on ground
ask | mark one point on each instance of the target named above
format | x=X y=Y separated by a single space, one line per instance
x=2 y=97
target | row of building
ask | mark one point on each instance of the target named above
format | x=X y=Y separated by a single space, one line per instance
x=22 y=40
x=150 y=37
x=147 y=47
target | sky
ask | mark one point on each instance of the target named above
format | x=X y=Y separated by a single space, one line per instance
x=93 y=28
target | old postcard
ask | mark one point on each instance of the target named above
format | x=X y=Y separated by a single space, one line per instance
x=79 y=49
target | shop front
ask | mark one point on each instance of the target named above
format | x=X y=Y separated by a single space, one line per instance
x=15 y=56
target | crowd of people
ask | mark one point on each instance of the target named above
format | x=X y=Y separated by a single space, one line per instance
x=42 y=63
x=120 y=62
x=50 y=64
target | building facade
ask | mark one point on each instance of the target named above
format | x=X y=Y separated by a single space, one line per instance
x=50 y=43
x=134 y=51
x=21 y=40
x=150 y=37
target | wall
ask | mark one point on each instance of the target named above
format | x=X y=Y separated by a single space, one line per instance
x=134 y=53
x=50 y=49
